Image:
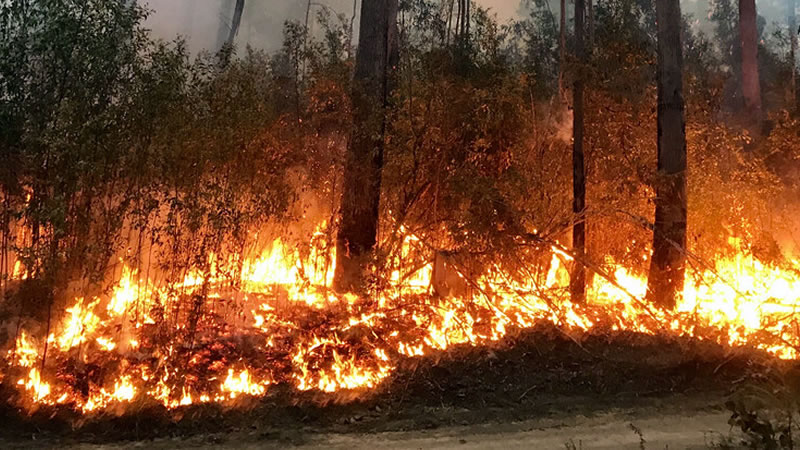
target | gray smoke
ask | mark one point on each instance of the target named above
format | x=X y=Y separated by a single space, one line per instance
x=200 y=22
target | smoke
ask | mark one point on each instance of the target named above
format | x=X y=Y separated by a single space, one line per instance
x=200 y=21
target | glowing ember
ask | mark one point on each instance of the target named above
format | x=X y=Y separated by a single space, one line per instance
x=280 y=321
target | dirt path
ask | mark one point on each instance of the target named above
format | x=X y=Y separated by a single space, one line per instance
x=621 y=429
x=611 y=431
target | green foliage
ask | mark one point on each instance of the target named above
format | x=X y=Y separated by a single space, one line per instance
x=111 y=139
x=764 y=406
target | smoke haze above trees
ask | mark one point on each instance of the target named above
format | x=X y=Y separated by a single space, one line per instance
x=262 y=24
x=263 y=20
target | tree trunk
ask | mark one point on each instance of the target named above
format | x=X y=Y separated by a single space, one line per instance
x=792 y=19
x=578 y=280
x=224 y=26
x=667 y=265
x=466 y=21
x=350 y=33
x=751 y=90
x=449 y=22
x=562 y=46
x=229 y=28
x=235 y=22
x=372 y=84
x=591 y=23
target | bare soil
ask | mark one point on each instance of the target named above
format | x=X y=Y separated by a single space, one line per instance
x=538 y=389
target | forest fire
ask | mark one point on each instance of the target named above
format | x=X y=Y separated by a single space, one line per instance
x=395 y=215
x=281 y=324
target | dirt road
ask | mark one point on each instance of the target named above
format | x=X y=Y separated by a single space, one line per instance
x=612 y=431
x=621 y=429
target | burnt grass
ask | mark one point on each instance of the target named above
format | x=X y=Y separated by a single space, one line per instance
x=535 y=373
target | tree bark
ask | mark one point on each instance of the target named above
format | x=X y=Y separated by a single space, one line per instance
x=372 y=85
x=667 y=265
x=578 y=279
x=751 y=89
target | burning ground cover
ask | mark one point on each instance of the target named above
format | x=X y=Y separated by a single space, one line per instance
x=274 y=322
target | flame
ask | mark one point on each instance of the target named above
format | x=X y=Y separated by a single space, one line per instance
x=123 y=392
x=308 y=337
x=125 y=294
x=24 y=352
x=80 y=323
x=242 y=384
x=39 y=390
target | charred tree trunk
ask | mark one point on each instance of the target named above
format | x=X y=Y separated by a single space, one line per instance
x=669 y=233
x=358 y=227
x=578 y=280
x=751 y=89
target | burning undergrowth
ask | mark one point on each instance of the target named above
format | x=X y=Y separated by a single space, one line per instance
x=268 y=322
x=531 y=373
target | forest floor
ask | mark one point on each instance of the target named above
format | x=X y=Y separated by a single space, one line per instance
x=539 y=389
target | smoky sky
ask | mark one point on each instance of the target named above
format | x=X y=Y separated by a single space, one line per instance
x=202 y=22
x=199 y=21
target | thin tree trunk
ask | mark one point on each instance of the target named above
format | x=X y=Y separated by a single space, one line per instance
x=591 y=24
x=224 y=25
x=792 y=19
x=562 y=47
x=751 y=90
x=235 y=22
x=457 y=30
x=350 y=35
x=667 y=265
x=462 y=7
x=305 y=39
x=449 y=22
x=466 y=21
x=578 y=280
x=372 y=85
